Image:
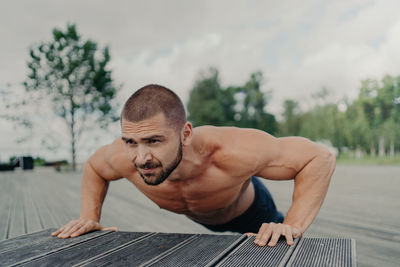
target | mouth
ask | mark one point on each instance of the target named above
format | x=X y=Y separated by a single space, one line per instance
x=148 y=171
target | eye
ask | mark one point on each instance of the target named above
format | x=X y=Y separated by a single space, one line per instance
x=154 y=141
x=130 y=142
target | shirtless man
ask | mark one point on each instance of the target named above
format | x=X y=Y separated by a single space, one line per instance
x=207 y=173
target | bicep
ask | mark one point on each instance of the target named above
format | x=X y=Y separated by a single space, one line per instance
x=286 y=157
x=247 y=152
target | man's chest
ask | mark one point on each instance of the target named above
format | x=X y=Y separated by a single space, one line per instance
x=204 y=192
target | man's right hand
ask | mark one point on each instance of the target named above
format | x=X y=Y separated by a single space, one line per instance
x=78 y=227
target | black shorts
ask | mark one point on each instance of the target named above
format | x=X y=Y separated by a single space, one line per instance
x=262 y=210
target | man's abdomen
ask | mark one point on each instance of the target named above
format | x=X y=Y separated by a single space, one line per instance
x=224 y=211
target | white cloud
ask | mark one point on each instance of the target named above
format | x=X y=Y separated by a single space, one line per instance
x=300 y=46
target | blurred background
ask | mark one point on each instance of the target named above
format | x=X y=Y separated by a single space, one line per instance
x=325 y=70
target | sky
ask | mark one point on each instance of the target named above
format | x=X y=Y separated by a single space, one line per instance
x=299 y=46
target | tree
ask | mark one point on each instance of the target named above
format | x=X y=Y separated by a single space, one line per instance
x=356 y=129
x=73 y=73
x=388 y=114
x=377 y=102
x=291 y=124
x=322 y=122
x=5 y=100
x=251 y=112
x=241 y=106
x=209 y=103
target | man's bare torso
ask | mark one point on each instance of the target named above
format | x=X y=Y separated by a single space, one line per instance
x=210 y=183
x=200 y=188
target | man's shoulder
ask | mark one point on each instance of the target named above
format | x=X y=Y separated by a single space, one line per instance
x=234 y=142
x=215 y=132
x=211 y=136
x=235 y=150
x=228 y=134
x=224 y=141
x=115 y=159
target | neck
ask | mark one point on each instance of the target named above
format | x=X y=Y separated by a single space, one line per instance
x=187 y=165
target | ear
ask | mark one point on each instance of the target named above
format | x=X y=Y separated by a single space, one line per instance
x=187 y=134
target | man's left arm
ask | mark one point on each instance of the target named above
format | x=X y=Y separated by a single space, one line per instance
x=312 y=166
x=248 y=152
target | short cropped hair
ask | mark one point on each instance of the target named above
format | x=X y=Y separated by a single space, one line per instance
x=151 y=100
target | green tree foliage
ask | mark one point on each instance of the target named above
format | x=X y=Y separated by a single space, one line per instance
x=377 y=104
x=388 y=96
x=355 y=128
x=291 y=124
x=209 y=103
x=371 y=123
x=73 y=73
x=251 y=109
x=241 y=106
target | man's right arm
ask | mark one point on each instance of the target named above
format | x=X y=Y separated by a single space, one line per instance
x=95 y=180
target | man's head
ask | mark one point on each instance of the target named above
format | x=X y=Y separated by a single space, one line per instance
x=154 y=129
x=151 y=100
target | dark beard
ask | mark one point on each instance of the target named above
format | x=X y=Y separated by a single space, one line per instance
x=164 y=173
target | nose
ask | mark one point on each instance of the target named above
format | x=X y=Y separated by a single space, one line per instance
x=143 y=155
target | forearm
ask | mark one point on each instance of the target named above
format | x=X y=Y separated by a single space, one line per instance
x=310 y=188
x=94 y=190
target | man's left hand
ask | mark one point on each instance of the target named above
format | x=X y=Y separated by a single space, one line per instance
x=272 y=231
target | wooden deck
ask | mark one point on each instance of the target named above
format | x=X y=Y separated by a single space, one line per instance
x=362 y=203
x=104 y=248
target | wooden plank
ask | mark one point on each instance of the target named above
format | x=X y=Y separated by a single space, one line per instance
x=315 y=252
x=104 y=248
x=89 y=249
x=17 y=225
x=142 y=251
x=6 y=203
x=39 y=247
x=32 y=214
x=20 y=241
x=42 y=203
x=199 y=252
x=5 y=216
x=73 y=197
x=249 y=254
x=4 y=209
x=58 y=198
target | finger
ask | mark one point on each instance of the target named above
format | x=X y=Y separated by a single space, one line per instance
x=275 y=238
x=66 y=228
x=260 y=233
x=75 y=229
x=89 y=226
x=296 y=233
x=72 y=230
x=57 y=232
x=250 y=234
x=82 y=230
x=289 y=237
x=266 y=236
x=115 y=229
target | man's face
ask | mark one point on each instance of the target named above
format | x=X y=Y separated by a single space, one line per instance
x=154 y=148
